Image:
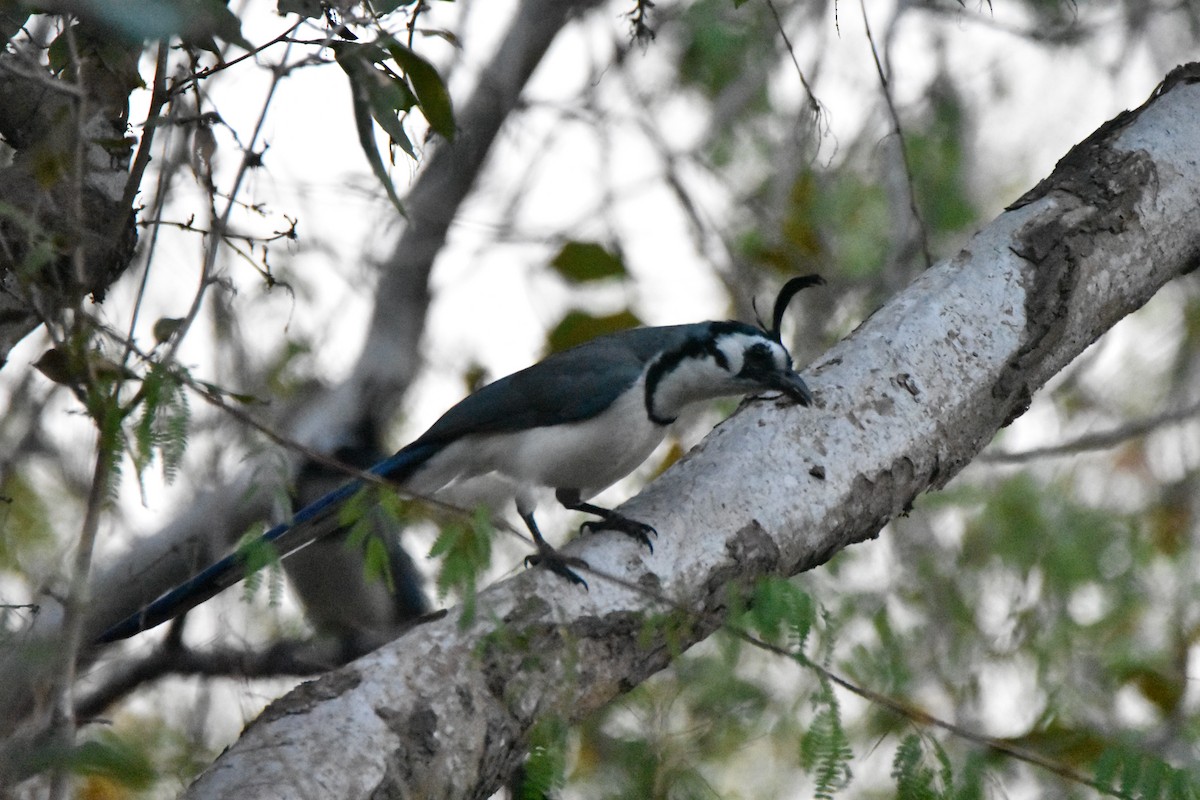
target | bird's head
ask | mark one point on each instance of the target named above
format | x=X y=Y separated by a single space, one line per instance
x=725 y=359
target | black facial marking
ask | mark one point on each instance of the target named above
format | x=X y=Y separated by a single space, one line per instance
x=757 y=360
x=695 y=347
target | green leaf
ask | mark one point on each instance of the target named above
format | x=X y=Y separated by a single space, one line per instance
x=162 y=429
x=166 y=327
x=25 y=525
x=254 y=554
x=580 y=262
x=387 y=93
x=578 y=327
x=106 y=755
x=349 y=57
x=825 y=748
x=466 y=550
x=385 y=7
x=194 y=21
x=428 y=86
x=781 y=612
x=309 y=9
x=377 y=563
x=544 y=771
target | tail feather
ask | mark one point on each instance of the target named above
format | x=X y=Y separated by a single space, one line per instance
x=308 y=524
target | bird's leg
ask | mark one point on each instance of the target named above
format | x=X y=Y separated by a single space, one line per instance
x=609 y=519
x=549 y=558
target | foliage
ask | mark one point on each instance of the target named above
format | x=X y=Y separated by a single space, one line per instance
x=465 y=550
x=1046 y=610
x=542 y=773
x=385 y=94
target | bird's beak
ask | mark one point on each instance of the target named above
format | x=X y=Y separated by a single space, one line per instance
x=791 y=384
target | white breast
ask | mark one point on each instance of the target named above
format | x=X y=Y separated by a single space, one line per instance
x=588 y=456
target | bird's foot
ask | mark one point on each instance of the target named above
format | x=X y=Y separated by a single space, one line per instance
x=630 y=527
x=548 y=558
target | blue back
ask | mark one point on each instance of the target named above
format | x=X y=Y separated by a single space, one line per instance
x=568 y=386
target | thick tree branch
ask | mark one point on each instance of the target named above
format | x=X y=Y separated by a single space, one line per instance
x=203 y=530
x=902 y=405
x=389 y=359
x=50 y=255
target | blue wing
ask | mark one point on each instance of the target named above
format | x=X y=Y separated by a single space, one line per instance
x=569 y=386
x=309 y=524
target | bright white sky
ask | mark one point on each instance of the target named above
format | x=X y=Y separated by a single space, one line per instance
x=492 y=302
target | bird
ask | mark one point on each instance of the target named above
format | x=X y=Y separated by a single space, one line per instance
x=347 y=602
x=575 y=422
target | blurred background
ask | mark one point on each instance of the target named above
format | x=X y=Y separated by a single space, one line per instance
x=665 y=163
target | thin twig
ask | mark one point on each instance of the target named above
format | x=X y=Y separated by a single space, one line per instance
x=919 y=717
x=915 y=715
x=211 y=395
x=63 y=725
x=891 y=106
x=1088 y=442
x=196 y=77
x=220 y=224
x=158 y=98
x=813 y=103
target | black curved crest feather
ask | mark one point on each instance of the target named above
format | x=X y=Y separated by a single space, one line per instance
x=789 y=290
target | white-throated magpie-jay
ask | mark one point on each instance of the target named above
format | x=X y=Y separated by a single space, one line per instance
x=575 y=422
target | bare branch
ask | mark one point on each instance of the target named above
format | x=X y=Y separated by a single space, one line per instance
x=1090 y=442
x=902 y=406
x=922 y=236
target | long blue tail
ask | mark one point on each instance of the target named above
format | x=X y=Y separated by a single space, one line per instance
x=310 y=523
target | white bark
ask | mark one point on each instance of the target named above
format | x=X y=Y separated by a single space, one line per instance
x=203 y=532
x=902 y=405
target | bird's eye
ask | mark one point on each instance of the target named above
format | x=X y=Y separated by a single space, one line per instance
x=756 y=360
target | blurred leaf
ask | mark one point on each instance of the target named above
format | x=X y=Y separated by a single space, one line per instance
x=309 y=9
x=721 y=45
x=377 y=564
x=388 y=96
x=428 y=86
x=447 y=36
x=580 y=262
x=859 y=212
x=781 y=613
x=382 y=7
x=1028 y=525
x=24 y=521
x=162 y=429
x=937 y=151
x=106 y=755
x=349 y=56
x=1073 y=745
x=1131 y=773
x=544 y=770
x=465 y=548
x=257 y=556
x=166 y=327
x=578 y=327
x=915 y=780
x=72 y=368
x=734 y=705
x=825 y=748
x=1158 y=685
x=194 y=21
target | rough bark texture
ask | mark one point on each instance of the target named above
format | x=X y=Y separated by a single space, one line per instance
x=204 y=530
x=902 y=405
x=390 y=357
x=68 y=229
